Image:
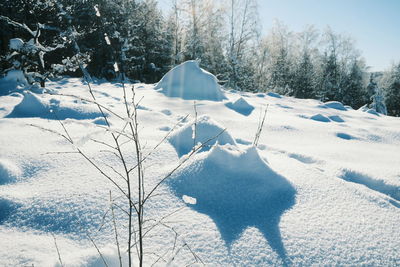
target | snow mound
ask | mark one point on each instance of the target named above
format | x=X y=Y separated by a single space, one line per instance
x=345 y=136
x=16 y=44
x=189 y=81
x=9 y=172
x=13 y=80
x=206 y=129
x=320 y=117
x=333 y=104
x=272 y=94
x=336 y=118
x=240 y=106
x=237 y=189
x=365 y=108
x=33 y=106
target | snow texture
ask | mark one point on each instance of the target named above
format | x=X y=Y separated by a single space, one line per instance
x=189 y=81
x=9 y=172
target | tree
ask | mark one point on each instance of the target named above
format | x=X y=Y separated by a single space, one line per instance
x=353 y=88
x=280 y=76
x=304 y=74
x=243 y=29
x=391 y=87
x=38 y=36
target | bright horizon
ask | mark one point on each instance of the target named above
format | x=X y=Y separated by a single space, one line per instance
x=374 y=25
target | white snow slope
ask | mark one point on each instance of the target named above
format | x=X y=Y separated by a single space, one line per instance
x=322 y=188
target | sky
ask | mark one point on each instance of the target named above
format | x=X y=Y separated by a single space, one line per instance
x=373 y=24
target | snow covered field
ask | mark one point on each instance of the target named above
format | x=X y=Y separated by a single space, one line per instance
x=322 y=188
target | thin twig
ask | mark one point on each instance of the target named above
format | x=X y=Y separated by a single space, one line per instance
x=115 y=230
x=58 y=251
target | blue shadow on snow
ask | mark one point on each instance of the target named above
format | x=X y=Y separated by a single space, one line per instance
x=239 y=197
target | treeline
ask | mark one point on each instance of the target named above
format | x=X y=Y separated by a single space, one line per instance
x=108 y=36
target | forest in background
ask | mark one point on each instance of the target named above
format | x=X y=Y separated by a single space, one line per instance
x=50 y=38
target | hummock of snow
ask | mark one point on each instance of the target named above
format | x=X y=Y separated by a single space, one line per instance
x=33 y=105
x=334 y=105
x=241 y=106
x=207 y=130
x=9 y=172
x=320 y=117
x=189 y=81
x=237 y=189
x=16 y=44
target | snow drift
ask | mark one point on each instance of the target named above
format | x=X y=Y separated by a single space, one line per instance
x=189 y=81
x=206 y=130
x=237 y=189
x=33 y=106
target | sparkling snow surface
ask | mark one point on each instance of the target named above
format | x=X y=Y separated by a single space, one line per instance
x=322 y=188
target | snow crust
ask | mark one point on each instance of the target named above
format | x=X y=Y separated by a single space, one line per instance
x=189 y=81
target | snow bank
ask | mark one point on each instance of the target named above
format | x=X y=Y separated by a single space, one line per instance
x=33 y=106
x=189 y=81
x=206 y=129
x=237 y=189
x=9 y=172
x=241 y=106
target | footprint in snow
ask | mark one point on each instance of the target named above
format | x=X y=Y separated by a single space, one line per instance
x=377 y=185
